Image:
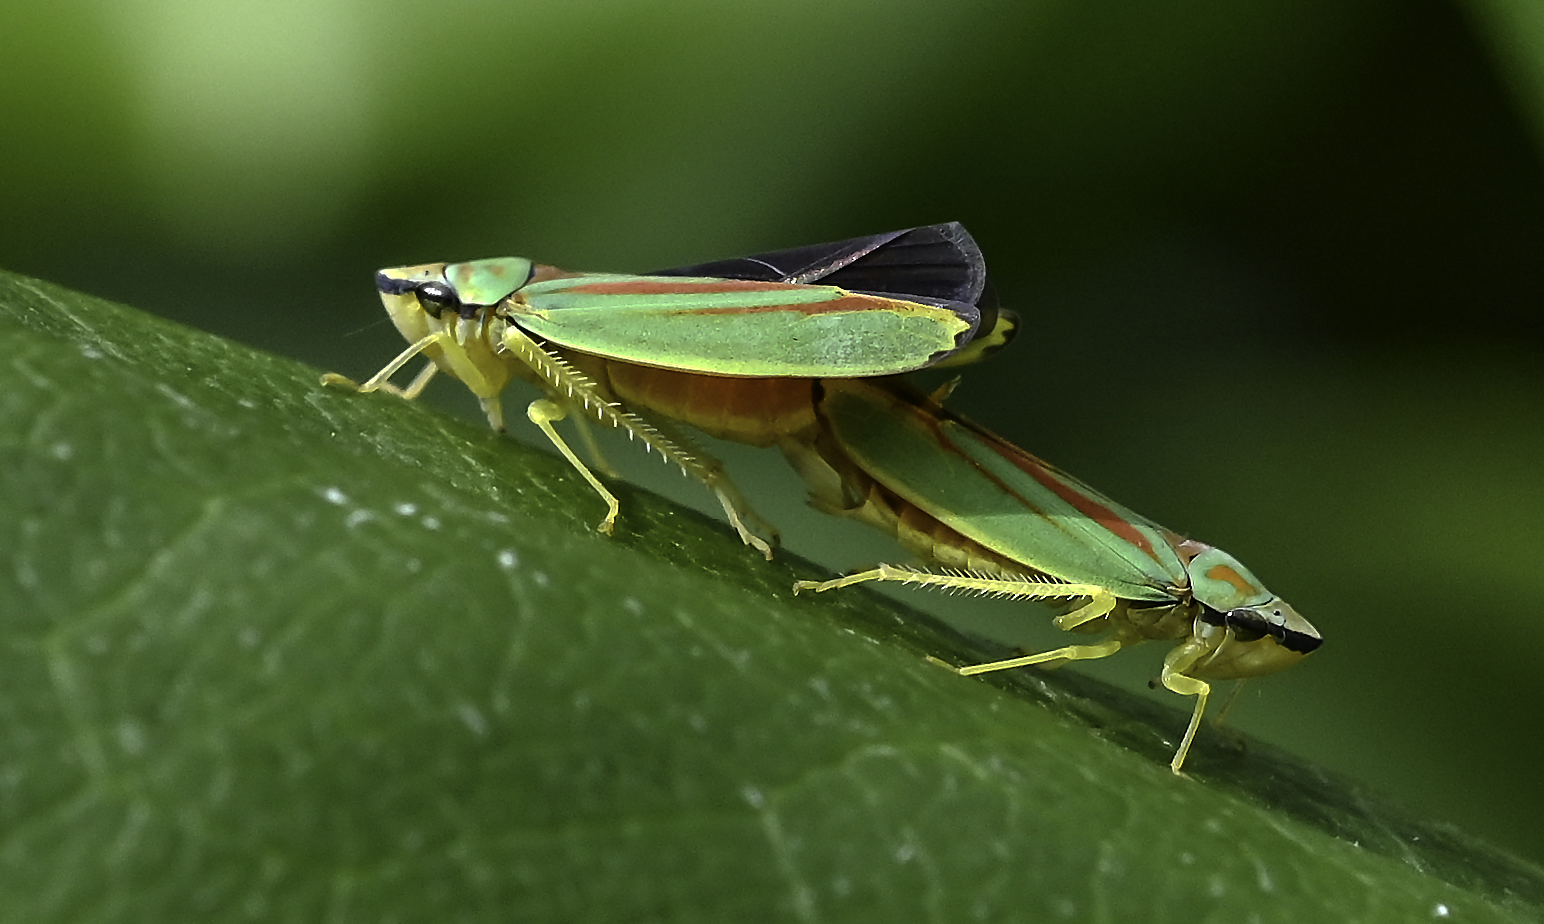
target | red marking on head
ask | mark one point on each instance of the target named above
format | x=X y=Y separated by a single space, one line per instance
x=542 y=272
x=1229 y=575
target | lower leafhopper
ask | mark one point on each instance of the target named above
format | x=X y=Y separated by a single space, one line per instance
x=1001 y=522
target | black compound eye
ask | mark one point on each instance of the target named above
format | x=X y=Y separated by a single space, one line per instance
x=1248 y=625
x=437 y=298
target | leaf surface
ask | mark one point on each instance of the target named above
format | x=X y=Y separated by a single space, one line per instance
x=277 y=652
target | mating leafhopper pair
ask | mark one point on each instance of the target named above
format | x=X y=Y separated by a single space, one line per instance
x=799 y=349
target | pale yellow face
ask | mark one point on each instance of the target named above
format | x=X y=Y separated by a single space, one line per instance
x=403 y=309
x=467 y=348
x=1287 y=639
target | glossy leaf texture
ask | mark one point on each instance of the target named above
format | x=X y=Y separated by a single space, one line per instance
x=275 y=652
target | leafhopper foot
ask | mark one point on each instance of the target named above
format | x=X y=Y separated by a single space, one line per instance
x=877 y=573
x=739 y=510
x=381 y=381
x=335 y=380
x=377 y=382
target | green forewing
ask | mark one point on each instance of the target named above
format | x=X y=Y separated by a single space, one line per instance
x=1001 y=497
x=739 y=327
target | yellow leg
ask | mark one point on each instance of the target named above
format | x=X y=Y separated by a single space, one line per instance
x=414 y=388
x=1009 y=586
x=1100 y=603
x=572 y=388
x=710 y=471
x=1187 y=686
x=592 y=448
x=471 y=374
x=1203 y=640
x=738 y=510
x=494 y=409
x=542 y=413
x=1052 y=658
x=380 y=380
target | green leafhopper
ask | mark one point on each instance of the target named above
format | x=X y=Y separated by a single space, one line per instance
x=1001 y=522
x=731 y=347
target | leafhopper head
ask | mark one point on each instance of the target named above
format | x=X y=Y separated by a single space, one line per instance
x=1260 y=639
x=457 y=299
x=1263 y=633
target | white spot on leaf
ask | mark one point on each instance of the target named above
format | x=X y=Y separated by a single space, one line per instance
x=473 y=719
x=131 y=737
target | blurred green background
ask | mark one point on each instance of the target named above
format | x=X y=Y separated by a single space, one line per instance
x=1281 y=262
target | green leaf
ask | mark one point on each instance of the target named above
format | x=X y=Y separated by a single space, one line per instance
x=278 y=652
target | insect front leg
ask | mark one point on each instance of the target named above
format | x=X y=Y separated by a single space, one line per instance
x=484 y=377
x=381 y=381
x=1202 y=642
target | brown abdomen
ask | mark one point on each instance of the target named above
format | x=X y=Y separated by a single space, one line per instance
x=757 y=411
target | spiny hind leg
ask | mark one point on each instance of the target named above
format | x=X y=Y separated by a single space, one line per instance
x=1009 y=587
x=570 y=386
x=736 y=507
x=1100 y=602
x=696 y=464
x=699 y=465
x=543 y=412
x=1004 y=586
